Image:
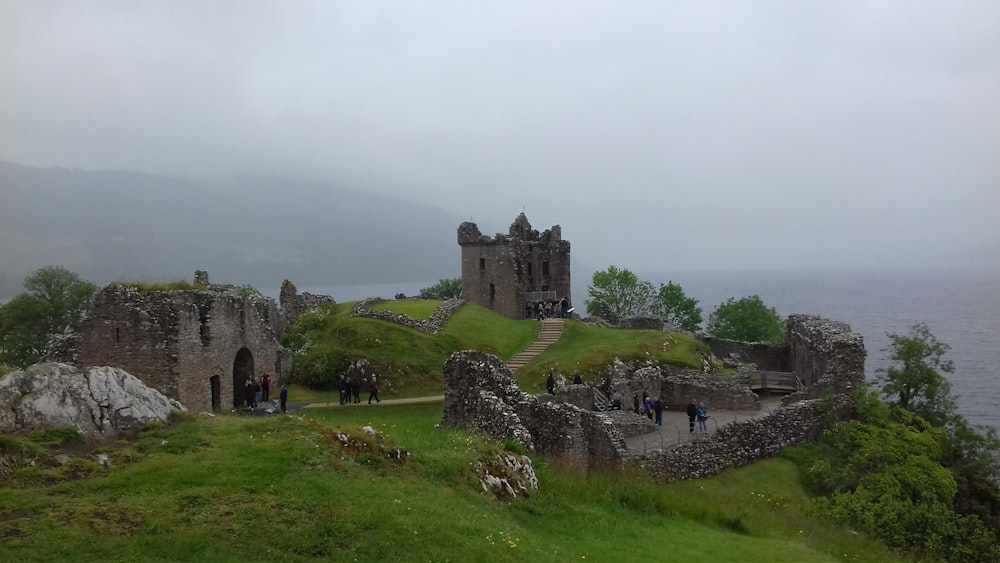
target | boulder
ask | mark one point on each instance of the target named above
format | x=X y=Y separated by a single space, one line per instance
x=103 y=402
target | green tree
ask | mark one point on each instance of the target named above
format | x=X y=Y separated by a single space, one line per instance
x=57 y=300
x=444 y=289
x=747 y=319
x=620 y=292
x=673 y=306
x=914 y=380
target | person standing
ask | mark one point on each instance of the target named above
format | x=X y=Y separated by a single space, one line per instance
x=256 y=393
x=702 y=414
x=343 y=388
x=658 y=411
x=692 y=411
x=265 y=387
x=373 y=392
x=248 y=393
x=284 y=398
x=550 y=384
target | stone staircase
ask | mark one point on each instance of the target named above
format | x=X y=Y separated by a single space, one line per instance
x=551 y=331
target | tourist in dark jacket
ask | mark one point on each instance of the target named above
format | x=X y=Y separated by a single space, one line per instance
x=550 y=384
x=284 y=398
x=692 y=411
x=265 y=387
x=658 y=411
x=373 y=390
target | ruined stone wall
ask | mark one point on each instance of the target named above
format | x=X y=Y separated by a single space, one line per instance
x=490 y=278
x=213 y=328
x=293 y=304
x=433 y=325
x=175 y=341
x=496 y=272
x=481 y=395
x=718 y=393
x=739 y=443
x=769 y=356
x=825 y=355
x=134 y=331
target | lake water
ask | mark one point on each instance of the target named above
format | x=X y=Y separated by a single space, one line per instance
x=961 y=308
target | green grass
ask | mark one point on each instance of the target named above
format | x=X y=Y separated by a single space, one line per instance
x=413 y=308
x=410 y=361
x=178 y=285
x=588 y=350
x=281 y=489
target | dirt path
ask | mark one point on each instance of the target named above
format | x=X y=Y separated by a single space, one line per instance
x=386 y=402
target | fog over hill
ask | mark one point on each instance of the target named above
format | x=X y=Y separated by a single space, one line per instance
x=121 y=225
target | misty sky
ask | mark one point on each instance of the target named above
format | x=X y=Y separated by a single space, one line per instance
x=659 y=135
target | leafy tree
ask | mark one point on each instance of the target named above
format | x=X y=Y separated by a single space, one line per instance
x=673 y=306
x=747 y=319
x=620 y=292
x=443 y=289
x=65 y=294
x=57 y=299
x=914 y=381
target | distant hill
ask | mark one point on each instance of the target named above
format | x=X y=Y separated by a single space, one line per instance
x=121 y=225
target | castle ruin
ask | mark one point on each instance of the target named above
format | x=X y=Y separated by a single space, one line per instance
x=198 y=346
x=507 y=272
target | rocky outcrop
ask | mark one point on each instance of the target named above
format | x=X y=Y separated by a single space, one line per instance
x=103 y=402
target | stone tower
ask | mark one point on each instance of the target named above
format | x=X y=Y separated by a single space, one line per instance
x=505 y=272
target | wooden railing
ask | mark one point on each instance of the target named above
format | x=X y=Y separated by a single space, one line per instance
x=769 y=381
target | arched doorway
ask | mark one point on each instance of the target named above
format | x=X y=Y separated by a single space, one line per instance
x=242 y=370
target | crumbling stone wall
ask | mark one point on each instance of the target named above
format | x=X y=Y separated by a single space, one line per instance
x=176 y=341
x=740 y=443
x=481 y=395
x=293 y=304
x=496 y=272
x=433 y=325
x=826 y=355
x=770 y=356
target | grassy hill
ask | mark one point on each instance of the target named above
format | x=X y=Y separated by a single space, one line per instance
x=284 y=488
x=411 y=361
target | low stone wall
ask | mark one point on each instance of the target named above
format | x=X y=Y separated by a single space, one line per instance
x=481 y=395
x=433 y=325
x=739 y=443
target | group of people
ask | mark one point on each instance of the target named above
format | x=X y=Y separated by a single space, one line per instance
x=350 y=390
x=697 y=413
x=547 y=309
x=257 y=391
x=651 y=408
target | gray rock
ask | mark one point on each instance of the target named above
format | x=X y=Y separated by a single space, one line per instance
x=103 y=402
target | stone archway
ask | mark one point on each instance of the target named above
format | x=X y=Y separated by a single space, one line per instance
x=242 y=370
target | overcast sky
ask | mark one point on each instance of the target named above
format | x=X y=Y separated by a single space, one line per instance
x=659 y=135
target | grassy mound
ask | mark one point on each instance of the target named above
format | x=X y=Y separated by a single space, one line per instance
x=325 y=341
x=287 y=488
x=587 y=350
